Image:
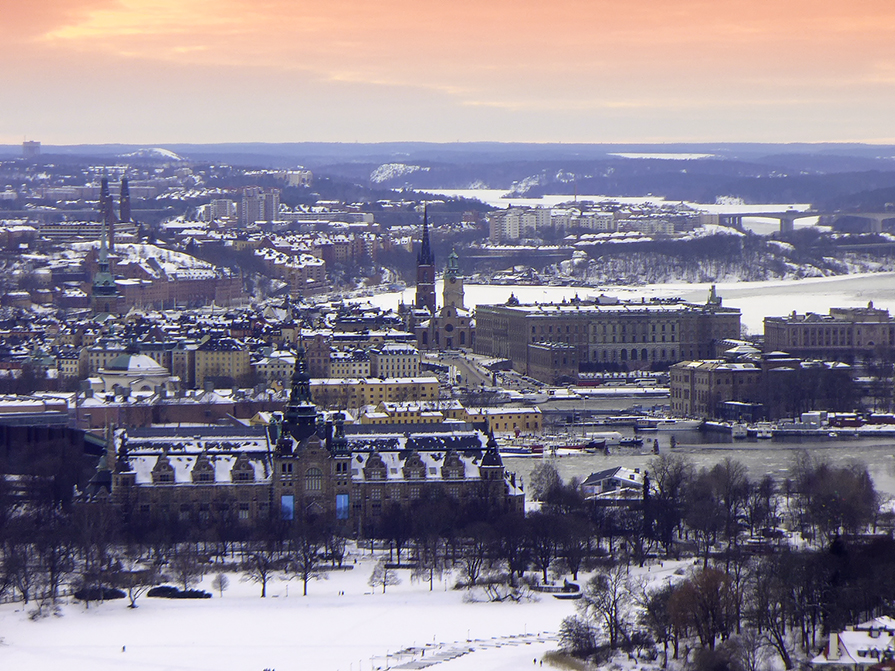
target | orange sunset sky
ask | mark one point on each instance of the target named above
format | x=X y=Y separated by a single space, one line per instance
x=442 y=70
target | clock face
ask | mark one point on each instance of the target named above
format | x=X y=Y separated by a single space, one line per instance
x=453 y=280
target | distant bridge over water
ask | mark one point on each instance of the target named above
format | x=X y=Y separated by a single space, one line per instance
x=788 y=218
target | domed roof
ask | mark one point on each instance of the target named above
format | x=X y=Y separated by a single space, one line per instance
x=135 y=364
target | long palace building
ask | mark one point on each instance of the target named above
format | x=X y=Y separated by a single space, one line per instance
x=302 y=466
x=556 y=340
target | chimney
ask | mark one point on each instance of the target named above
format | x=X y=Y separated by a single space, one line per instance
x=833 y=652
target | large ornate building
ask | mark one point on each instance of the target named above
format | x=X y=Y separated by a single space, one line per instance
x=843 y=334
x=303 y=466
x=603 y=332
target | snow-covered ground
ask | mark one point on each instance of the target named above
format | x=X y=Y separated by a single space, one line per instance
x=361 y=630
x=756 y=300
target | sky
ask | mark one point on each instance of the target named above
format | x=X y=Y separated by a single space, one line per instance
x=166 y=71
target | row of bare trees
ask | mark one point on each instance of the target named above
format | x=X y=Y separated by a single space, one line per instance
x=47 y=551
x=739 y=612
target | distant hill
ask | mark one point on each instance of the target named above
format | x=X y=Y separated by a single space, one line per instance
x=855 y=175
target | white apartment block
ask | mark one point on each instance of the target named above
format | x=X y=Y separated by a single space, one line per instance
x=395 y=360
x=354 y=364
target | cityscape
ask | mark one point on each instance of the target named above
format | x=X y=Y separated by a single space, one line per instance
x=355 y=338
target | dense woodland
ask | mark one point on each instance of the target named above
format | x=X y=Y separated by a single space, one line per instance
x=774 y=565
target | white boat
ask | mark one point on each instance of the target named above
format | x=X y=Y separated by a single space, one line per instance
x=738 y=431
x=646 y=425
x=609 y=437
x=764 y=431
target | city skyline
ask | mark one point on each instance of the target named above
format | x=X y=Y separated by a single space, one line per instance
x=92 y=71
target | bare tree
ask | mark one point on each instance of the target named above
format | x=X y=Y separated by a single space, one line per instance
x=186 y=566
x=543 y=541
x=670 y=475
x=260 y=568
x=477 y=542
x=136 y=576
x=704 y=603
x=307 y=554
x=654 y=614
x=383 y=576
x=607 y=599
x=544 y=479
x=221 y=582
x=731 y=485
x=577 y=636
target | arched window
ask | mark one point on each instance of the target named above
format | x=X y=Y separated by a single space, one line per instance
x=634 y=354
x=313 y=480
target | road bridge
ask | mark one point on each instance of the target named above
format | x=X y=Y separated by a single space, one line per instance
x=788 y=218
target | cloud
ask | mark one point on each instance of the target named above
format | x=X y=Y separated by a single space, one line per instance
x=483 y=62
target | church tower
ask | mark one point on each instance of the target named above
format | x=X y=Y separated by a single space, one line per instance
x=107 y=211
x=300 y=418
x=425 y=270
x=124 y=202
x=104 y=295
x=453 y=283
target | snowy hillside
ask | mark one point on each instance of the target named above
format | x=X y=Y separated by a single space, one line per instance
x=390 y=171
x=168 y=259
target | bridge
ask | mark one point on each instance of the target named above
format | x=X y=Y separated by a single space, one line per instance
x=788 y=218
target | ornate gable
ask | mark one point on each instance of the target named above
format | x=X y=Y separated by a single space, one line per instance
x=163 y=471
x=203 y=470
x=414 y=468
x=375 y=468
x=242 y=470
x=453 y=467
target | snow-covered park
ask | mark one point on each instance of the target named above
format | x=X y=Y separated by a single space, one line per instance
x=342 y=625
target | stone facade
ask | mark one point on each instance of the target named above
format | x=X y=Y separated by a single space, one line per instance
x=217 y=475
x=606 y=332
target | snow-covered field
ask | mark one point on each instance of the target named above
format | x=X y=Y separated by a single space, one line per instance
x=324 y=631
x=756 y=300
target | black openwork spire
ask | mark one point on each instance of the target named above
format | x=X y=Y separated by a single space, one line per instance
x=425 y=257
x=300 y=418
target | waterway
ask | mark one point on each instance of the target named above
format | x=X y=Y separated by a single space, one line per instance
x=705 y=449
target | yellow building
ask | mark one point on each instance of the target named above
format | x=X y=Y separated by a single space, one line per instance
x=72 y=364
x=222 y=358
x=507 y=420
x=498 y=420
x=355 y=393
x=427 y=412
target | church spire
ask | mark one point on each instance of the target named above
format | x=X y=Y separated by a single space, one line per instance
x=425 y=270
x=425 y=257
